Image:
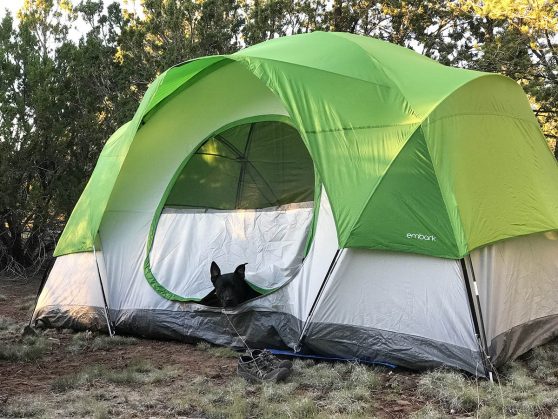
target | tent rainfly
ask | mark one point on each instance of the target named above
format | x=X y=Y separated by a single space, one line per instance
x=390 y=209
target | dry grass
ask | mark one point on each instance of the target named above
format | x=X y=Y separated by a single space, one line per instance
x=138 y=372
x=314 y=390
x=93 y=341
x=518 y=393
x=7 y=326
x=528 y=387
x=21 y=408
x=27 y=304
x=28 y=349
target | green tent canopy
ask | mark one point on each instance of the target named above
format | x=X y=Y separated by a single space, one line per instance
x=415 y=156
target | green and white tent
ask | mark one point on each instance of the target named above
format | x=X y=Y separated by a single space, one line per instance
x=390 y=209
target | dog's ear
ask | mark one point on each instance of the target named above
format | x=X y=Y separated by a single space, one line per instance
x=240 y=271
x=215 y=272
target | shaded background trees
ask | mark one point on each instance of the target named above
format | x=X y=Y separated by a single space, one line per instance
x=72 y=72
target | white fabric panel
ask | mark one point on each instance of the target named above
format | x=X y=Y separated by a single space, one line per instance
x=297 y=297
x=517 y=280
x=270 y=240
x=398 y=292
x=124 y=238
x=73 y=281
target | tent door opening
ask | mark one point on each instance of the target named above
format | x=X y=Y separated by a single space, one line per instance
x=246 y=195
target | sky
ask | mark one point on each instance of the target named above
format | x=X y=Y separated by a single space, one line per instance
x=79 y=27
x=14 y=5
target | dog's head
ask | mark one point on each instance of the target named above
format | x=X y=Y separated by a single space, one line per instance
x=229 y=288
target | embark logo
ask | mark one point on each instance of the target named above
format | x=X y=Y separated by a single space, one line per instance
x=416 y=236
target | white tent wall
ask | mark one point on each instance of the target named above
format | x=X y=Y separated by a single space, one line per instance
x=406 y=309
x=135 y=307
x=272 y=320
x=72 y=296
x=517 y=281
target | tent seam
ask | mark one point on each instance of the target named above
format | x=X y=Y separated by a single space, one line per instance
x=503 y=115
x=425 y=121
x=375 y=187
x=359 y=128
x=381 y=68
x=246 y=58
x=442 y=195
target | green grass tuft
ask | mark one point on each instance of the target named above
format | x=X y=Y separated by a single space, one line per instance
x=137 y=372
x=7 y=324
x=104 y=342
x=21 y=409
x=451 y=389
x=87 y=340
x=313 y=390
x=517 y=394
x=29 y=349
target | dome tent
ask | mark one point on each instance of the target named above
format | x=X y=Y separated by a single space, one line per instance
x=370 y=189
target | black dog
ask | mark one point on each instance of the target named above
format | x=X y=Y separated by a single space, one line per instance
x=231 y=289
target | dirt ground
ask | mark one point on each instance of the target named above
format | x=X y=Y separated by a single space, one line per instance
x=25 y=382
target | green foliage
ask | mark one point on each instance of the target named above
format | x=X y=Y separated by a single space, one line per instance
x=62 y=97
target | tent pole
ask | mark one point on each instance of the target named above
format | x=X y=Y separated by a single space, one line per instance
x=107 y=315
x=476 y=314
x=242 y=174
x=315 y=304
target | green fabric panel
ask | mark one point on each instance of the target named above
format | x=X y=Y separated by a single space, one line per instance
x=281 y=167
x=406 y=211
x=353 y=130
x=356 y=101
x=175 y=77
x=494 y=167
x=423 y=82
x=237 y=136
x=208 y=180
x=255 y=165
x=322 y=51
